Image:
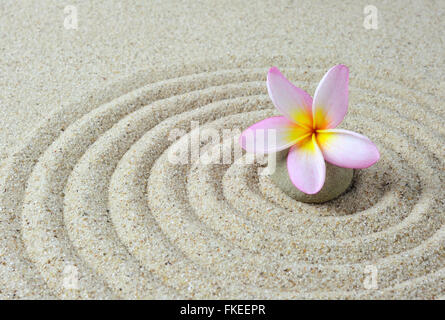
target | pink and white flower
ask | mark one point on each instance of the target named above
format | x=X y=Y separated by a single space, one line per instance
x=307 y=127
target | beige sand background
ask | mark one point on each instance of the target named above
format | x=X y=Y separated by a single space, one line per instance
x=86 y=188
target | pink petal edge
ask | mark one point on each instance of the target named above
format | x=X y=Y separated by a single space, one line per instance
x=331 y=96
x=288 y=98
x=348 y=149
x=279 y=123
x=307 y=172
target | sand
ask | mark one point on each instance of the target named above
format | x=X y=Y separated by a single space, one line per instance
x=91 y=207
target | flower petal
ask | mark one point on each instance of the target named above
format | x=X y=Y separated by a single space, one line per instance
x=347 y=149
x=331 y=98
x=271 y=135
x=306 y=166
x=294 y=103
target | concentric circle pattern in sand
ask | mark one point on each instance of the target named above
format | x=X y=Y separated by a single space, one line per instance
x=94 y=191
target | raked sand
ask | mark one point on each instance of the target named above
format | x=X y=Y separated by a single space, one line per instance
x=92 y=207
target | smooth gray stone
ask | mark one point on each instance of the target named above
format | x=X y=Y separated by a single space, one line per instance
x=337 y=181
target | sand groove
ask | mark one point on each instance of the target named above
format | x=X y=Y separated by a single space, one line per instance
x=95 y=189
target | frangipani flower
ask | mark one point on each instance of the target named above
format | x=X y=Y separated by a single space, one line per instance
x=307 y=127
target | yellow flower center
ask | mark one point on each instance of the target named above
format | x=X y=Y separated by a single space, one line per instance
x=308 y=131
